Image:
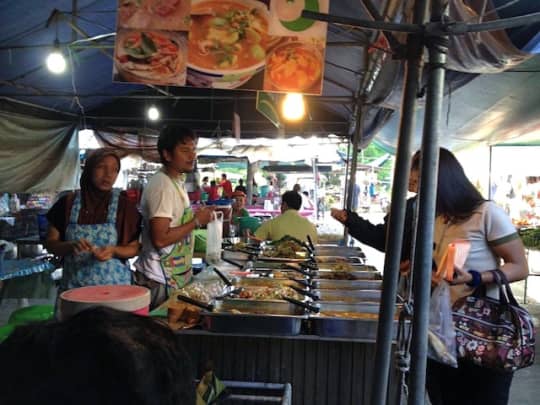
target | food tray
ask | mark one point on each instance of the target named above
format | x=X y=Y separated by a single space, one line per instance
x=347 y=275
x=251 y=324
x=347 y=327
x=346 y=284
x=339 y=259
x=337 y=251
x=348 y=296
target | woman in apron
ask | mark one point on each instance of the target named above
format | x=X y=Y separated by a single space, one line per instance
x=95 y=229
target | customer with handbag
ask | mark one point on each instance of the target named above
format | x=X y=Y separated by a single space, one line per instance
x=463 y=214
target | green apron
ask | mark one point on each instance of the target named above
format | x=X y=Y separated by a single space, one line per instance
x=176 y=264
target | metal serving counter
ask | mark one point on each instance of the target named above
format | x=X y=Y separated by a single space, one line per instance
x=320 y=370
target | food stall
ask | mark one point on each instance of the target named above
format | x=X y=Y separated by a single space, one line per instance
x=286 y=312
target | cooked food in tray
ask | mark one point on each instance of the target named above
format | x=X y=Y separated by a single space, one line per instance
x=287 y=249
x=337 y=275
x=335 y=260
x=170 y=15
x=151 y=57
x=268 y=293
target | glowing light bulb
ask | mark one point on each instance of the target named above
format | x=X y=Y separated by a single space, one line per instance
x=56 y=63
x=153 y=113
x=293 y=107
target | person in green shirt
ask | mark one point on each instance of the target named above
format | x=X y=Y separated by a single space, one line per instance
x=238 y=207
x=289 y=222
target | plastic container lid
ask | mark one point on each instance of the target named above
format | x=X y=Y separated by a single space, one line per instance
x=32 y=313
x=130 y=298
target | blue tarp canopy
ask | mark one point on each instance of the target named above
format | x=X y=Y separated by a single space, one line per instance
x=481 y=107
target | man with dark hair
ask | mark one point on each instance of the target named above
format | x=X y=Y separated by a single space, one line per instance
x=98 y=357
x=289 y=223
x=240 y=186
x=167 y=247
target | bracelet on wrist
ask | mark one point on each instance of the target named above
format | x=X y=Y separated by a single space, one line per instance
x=476 y=279
x=197 y=223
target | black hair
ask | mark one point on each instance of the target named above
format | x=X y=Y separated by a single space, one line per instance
x=213 y=183
x=457 y=197
x=205 y=178
x=223 y=176
x=172 y=135
x=100 y=356
x=305 y=193
x=292 y=199
x=240 y=181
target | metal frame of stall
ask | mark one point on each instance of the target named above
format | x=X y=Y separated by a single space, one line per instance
x=434 y=35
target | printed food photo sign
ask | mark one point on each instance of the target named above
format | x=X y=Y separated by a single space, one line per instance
x=227 y=44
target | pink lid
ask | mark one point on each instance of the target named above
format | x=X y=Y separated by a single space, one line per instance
x=121 y=297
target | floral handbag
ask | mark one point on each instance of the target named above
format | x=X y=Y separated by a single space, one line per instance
x=496 y=334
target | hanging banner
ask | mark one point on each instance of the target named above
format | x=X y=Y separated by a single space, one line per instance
x=226 y=44
x=266 y=104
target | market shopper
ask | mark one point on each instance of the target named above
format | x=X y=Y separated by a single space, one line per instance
x=462 y=213
x=289 y=223
x=168 y=220
x=240 y=186
x=96 y=228
x=100 y=356
x=374 y=235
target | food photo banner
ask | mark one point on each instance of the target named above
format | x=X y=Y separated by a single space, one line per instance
x=225 y=44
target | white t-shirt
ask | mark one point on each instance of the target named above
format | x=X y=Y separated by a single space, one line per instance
x=160 y=199
x=488 y=226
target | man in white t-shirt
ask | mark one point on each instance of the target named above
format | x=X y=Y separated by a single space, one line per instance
x=167 y=217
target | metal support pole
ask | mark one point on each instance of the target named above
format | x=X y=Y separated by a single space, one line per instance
x=438 y=46
x=354 y=155
x=251 y=169
x=397 y=211
x=314 y=162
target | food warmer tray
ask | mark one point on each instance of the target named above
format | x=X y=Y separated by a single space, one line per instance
x=337 y=251
x=339 y=259
x=343 y=275
x=346 y=284
x=348 y=296
x=265 y=282
x=347 y=327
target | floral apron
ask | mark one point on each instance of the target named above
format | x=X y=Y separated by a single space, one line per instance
x=84 y=269
x=176 y=264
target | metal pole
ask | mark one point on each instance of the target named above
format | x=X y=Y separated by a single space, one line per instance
x=315 y=186
x=354 y=156
x=438 y=46
x=397 y=211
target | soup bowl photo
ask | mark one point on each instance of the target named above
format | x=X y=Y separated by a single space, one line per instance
x=227 y=42
x=294 y=67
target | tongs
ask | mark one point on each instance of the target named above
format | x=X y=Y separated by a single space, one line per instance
x=305 y=305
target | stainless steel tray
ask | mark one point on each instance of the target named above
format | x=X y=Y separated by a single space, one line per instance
x=239 y=306
x=338 y=259
x=352 y=266
x=344 y=327
x=347 y=275
x=263 y=282
x=347 y=284
x=349 y=296
x=249 y=324
x=337 y=251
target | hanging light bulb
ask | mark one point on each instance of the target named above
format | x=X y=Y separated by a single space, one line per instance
x=153 y=113
x=293 y=107
x=56 y=63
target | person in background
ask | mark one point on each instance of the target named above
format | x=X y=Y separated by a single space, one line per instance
x=96 y=228
x=226 y=185
x=100 y=356
x=213 y=191
x=462 y=213
x=306 y=202
x=374 y=235
x=205 y=184
x=167 y=246
x=239 y=206
x=240 y=186
x=289 y=223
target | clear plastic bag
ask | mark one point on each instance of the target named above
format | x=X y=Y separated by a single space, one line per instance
x=214 y=238
x=441 y=333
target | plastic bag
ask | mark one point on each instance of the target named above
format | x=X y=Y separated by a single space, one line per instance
x=441 y=333
x=214 y=238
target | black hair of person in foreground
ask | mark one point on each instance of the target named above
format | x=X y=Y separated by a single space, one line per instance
x=374 y=235
x=98 y=357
